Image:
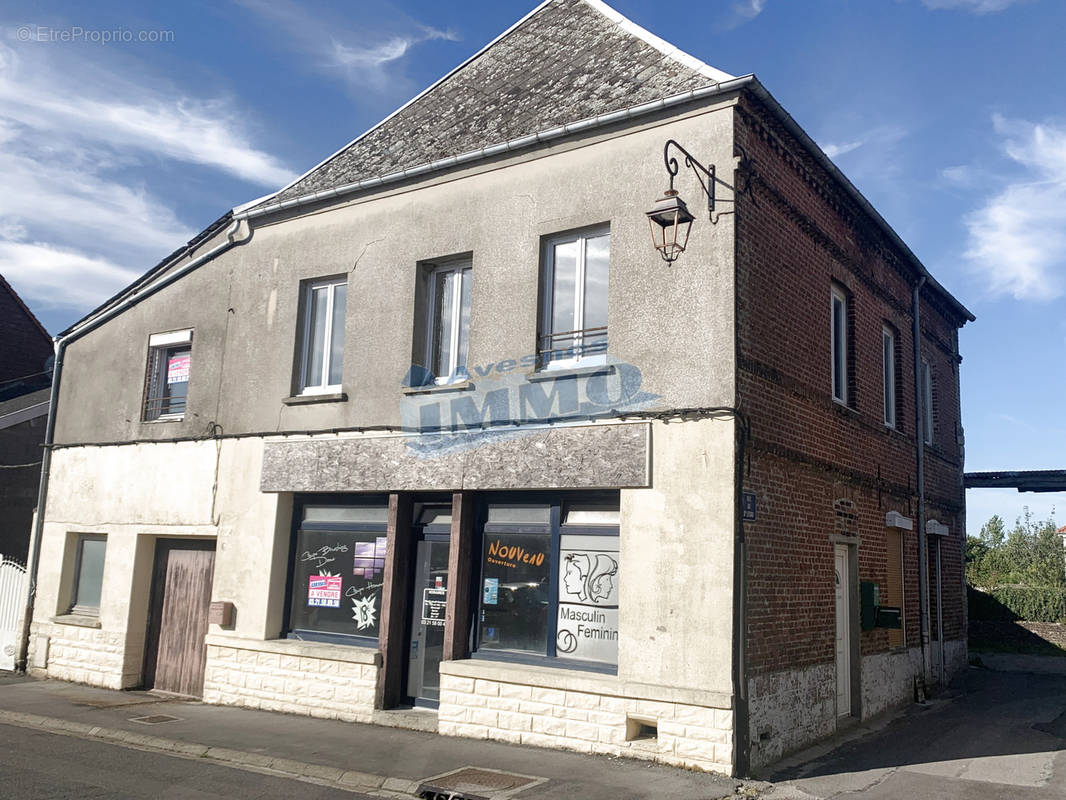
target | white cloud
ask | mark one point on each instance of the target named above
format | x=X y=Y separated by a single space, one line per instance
x=749 y=9
x=122 y=115
x=744 y=11
x=1017 y=239
x=962 y=175
x=975 y=6
x=361 y=56
x=60 y=278
x=80 y=144
x=834 y=150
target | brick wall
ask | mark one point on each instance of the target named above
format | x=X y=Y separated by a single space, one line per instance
x=24 y=344
x=817 y=467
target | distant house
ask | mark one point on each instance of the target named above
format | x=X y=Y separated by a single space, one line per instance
x=435 y=425
x=25 y=373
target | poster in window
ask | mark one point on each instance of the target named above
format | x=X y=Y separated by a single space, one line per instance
x=355 y=559
x=588 y=599
x=324 y=591
x=178 y=368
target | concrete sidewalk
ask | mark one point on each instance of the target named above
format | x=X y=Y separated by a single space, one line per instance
x=371 y=759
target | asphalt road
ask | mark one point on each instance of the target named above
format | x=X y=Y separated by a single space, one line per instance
x=35 y=765
x=1003 y=739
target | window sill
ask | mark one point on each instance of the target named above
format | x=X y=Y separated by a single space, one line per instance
x=548 y=374
x=80 y=620
x=160 y=420
x=309 y=399
x=354 y=654
x=434 y=388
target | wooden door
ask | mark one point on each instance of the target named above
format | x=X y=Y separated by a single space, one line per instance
x=181 y=597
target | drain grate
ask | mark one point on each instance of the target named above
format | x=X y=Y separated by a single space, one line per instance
x=155 y=719
x=473 y=783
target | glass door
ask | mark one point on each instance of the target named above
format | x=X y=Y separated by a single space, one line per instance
x=428 y=608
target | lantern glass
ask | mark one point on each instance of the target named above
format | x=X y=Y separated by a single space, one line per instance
x=670 y=222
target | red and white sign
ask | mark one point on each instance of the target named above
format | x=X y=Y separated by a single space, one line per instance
x=324 y=591
x=178 y=368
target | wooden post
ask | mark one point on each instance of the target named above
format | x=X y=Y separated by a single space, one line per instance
x=395 y=594
x=460 y=571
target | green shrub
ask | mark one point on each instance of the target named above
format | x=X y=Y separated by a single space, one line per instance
x=1028 y=603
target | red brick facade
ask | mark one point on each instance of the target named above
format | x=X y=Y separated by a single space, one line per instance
x=818 y=468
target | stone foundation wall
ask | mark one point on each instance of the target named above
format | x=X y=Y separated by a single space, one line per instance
x=888 y=680
x=317 y=680
x=790 y=709
x=590 y=714
x=80 y=654
x=956 y=658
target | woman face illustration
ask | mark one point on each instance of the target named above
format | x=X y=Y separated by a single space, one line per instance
x=573 y=577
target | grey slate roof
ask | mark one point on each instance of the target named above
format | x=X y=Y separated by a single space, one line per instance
x=567 y=61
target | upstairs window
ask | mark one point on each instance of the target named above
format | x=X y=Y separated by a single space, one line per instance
x=322 y=336
x=840 y=335
x=448 y=323
x=888 y=348
x=575 y=272
x=167 y=380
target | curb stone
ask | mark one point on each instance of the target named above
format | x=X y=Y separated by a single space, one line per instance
x=345 y=780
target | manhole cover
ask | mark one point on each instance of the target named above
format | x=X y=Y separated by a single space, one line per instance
x=155 y=719
x=472 y=783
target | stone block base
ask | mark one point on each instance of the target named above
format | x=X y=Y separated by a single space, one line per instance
x=587 y=713
x=307 y=678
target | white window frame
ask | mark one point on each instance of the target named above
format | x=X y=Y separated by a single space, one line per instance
x=464 y=269
x=159 y=347
x=837 y=295
x=76 y=578
x=927 y=402
x=323 y=387
x=547 y=281
x=888 y=353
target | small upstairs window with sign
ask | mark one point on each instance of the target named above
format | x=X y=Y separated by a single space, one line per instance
x=167 y=380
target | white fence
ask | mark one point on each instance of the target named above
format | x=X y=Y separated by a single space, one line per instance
x=12 y=604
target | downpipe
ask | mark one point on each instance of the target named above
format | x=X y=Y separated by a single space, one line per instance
x=60 y=344
x=919 y=441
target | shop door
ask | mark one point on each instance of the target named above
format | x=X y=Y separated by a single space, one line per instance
x=181 y=597
x=426 y=647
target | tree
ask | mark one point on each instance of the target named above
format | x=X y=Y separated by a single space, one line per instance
x=1031 y=554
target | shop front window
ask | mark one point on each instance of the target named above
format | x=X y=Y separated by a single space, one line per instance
x=549 y=580
x=338 y=566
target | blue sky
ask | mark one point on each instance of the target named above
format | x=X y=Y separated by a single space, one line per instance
x=949 y=115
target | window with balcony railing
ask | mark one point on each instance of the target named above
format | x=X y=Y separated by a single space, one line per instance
x=575 y=272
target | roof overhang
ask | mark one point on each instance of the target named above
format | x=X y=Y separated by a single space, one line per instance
x=1047 y=480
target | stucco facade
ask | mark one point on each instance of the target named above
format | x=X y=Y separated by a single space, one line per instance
x=553 y=553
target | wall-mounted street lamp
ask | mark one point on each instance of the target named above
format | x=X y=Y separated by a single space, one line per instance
x=669 y=218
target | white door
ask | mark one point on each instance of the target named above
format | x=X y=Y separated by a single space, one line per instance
x=843 y=617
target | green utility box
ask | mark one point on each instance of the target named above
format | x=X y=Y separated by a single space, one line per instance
x=874 y=615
